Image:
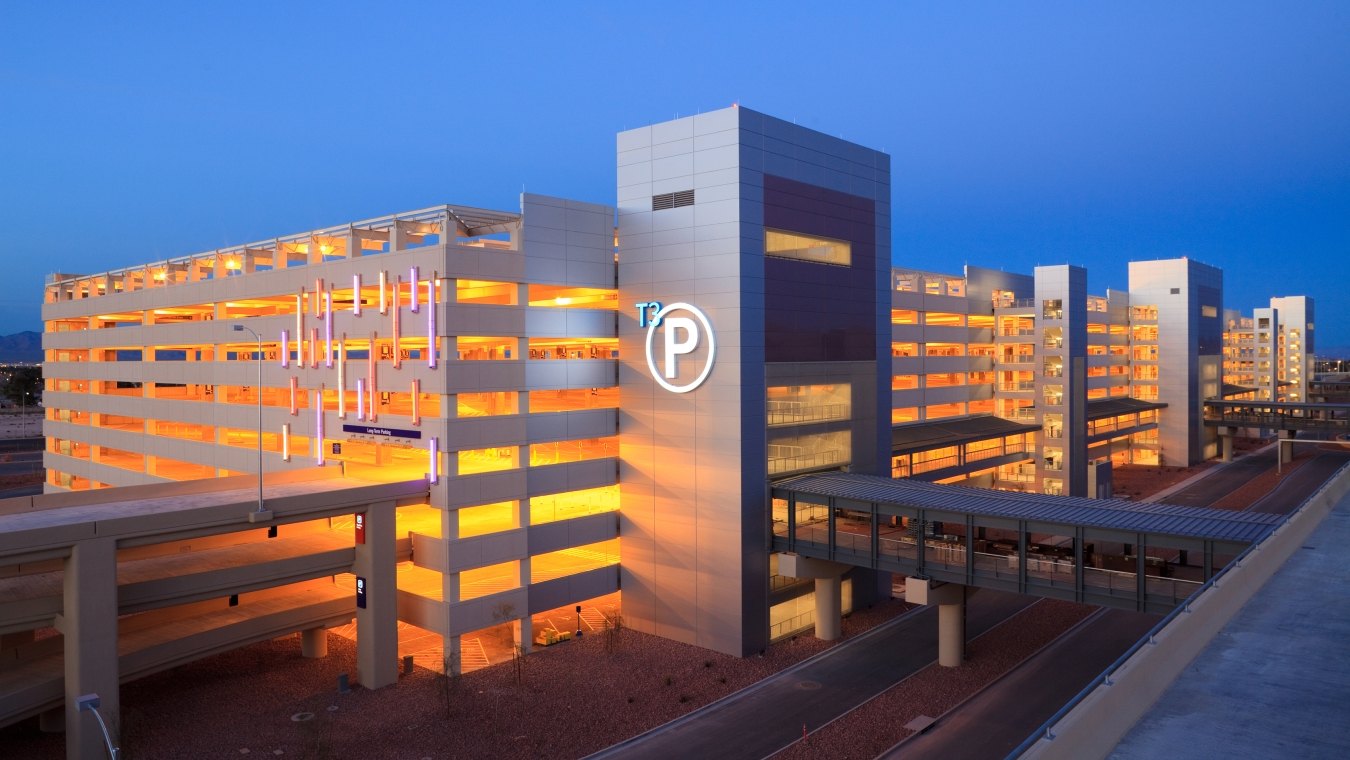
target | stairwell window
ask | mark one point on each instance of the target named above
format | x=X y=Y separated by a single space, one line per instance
x=792 y=245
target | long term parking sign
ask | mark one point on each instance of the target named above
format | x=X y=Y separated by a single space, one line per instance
x=681 y=336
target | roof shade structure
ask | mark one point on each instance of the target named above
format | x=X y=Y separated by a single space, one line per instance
x=927 y=435
x=1139 y=556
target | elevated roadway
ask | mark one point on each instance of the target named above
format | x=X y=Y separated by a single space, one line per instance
x=160 y=575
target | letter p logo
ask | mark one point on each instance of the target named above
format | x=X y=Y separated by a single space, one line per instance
x=682 y=336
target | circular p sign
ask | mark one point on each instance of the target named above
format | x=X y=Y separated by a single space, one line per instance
x=684 y=328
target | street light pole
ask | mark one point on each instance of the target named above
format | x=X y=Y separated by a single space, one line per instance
x=257 y=389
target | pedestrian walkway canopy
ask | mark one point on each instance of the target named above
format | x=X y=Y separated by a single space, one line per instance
x=1142 y=556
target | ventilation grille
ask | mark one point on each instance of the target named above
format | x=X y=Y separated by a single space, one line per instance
x=672 y=200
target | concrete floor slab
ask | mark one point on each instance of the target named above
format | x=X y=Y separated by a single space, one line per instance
x=1275 y=681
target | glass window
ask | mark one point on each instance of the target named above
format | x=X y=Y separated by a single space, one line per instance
x=792 y=245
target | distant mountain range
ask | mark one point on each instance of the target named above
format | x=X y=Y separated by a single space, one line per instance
x=21 y=347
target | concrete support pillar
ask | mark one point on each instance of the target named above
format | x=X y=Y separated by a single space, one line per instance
x=523 y=632
x=829 y=607
x=828 y=577
x=88 y=621
x=950 y=599
x=314 y=643
x=377 y=623
x=1286 y=450
x=951 y=634
x=453 y=655
x=1225 y=446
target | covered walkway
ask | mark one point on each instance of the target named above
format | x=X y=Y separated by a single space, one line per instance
x=1138 y=556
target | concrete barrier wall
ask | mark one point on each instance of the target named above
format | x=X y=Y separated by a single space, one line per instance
x=1101 y=720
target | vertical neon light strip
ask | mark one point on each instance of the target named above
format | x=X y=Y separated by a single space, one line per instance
x=398 y=306
x=412 y=289
x=313 y=347
x=416 y=403
x=328 y=327
x=370 y=372
x=300 y=328
x=356 y=295
x=318 y=302
x=285 y=349
x=286 y=442
x=433 y=345
x=434 y=461
x=384 y=284
x=318 y=424
x=342 y=377
x=360 y=398
x=295 y=388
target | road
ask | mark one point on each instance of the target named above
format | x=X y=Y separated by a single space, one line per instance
x=994 y=722
x=763 y=719
x=1297 y=485
x=1223 y=480
x=997 y=719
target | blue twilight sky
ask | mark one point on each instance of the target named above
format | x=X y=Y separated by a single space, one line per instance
x=1020 y=133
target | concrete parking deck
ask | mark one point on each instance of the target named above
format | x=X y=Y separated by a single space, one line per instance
x=1275 y=681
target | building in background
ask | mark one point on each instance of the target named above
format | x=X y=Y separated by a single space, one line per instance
x=601 y=397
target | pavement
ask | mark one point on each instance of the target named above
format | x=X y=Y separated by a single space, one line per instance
x=995 y=720
x=762 y=719
x=1212 y=484
x=1275 y=681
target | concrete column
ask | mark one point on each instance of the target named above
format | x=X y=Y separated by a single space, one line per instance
x=523 y=632
x=452 y=655
x=829 y=608
x=377 y=624
x=828 y=577
x=950 y=599
x=314 y=643
x=1225 y=445
x=952 y=633
x=88 y=621
x=1286 y=451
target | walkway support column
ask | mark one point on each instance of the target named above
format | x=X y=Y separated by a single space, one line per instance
x=951 y=601
x=829 y=582
x=1225 y=444
x=88 y=621
x=314 y=642
x=377 y=623
x=1286 y=450
x=829 y=608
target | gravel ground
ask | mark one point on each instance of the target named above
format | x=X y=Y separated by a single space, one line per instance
x=1140 y=481
x=570 y=700
x=876 y=726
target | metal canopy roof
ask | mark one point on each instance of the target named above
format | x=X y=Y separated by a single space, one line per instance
x=1111 y=407
x=1145 y=517
x=930 y=435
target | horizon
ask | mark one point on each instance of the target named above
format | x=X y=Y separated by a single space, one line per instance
x=1060 y=134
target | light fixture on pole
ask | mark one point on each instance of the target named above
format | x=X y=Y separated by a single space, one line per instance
x=261 y=513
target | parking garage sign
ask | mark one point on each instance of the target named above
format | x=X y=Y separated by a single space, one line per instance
x=684 y=330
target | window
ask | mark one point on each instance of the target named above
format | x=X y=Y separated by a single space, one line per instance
x=792 y=245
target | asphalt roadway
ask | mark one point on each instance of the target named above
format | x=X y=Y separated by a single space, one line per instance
x=994 y=721
x=762 y=719
x=765 y=718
